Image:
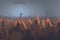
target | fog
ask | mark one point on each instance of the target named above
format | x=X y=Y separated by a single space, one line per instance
x=30 y=8
x=54 y=8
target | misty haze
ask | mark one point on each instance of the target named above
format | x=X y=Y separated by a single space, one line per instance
x=30 y=7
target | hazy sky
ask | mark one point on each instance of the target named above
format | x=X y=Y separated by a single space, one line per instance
x=30 y=7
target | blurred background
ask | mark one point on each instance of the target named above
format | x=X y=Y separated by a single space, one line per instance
x=43 y=8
